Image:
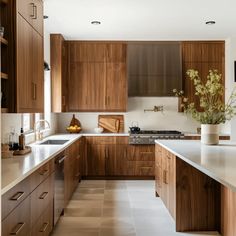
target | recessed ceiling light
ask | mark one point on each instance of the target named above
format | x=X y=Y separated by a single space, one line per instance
x=45 y=17
x=95 y=22
x=210 y=22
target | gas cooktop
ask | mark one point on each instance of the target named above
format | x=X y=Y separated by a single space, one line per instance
x=149 y=136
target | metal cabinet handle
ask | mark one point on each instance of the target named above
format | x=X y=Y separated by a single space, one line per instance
x=146 y=152
x=165 y=178
x=33 y=8
x=44 y=172
x=43 y=195
x=17 y=228
x=62 y=159
x=44 y=227
x=34 y=91
x=17 y=196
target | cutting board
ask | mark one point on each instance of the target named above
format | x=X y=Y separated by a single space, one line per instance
x=111 y=123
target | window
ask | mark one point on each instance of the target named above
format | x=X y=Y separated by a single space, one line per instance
x=28 y=121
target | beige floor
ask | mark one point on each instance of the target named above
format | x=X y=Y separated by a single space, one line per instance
x=116 y=208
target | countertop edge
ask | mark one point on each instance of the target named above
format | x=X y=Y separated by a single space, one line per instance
x=198 y=167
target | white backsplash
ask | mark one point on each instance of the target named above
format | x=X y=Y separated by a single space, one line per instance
x=169 y=119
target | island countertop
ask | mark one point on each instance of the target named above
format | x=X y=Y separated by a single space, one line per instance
x=216 y=161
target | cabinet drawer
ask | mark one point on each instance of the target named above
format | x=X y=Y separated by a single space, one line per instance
x=41 y=174
x=145 y=169
x=40 y=198
x=15 y=196
x=44 y=225
x=18 y=222
x=101 y=140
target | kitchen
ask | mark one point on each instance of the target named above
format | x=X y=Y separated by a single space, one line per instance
x=102 y=72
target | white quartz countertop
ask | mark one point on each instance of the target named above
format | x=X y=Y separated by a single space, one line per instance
x=17 y=168
x=216 y=161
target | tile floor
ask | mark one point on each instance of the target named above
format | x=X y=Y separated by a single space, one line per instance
x=117 y=208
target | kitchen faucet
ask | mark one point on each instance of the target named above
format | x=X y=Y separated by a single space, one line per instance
x=38 y=132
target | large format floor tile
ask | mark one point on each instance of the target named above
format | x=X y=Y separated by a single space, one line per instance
x=117 y=208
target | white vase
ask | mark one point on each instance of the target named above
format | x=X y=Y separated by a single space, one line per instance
x=210 y=134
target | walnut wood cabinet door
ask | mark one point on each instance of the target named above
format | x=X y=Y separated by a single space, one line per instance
x=110 y=160
x=96 y=84
x=26 y=9
x=96 y=154
x=78 y=86
x=24 y=65
x=38 y=73
x=123 y=166
x=87 y=86
x=116 y=86
x=116 y=52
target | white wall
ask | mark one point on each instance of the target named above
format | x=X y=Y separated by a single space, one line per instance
x=169 y=119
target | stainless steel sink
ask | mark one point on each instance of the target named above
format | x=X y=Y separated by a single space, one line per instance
x=54 y=142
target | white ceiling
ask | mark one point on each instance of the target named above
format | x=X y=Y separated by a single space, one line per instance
x=141 y=19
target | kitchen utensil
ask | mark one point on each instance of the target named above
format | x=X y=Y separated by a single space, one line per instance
x=134 y=127
x=111 y=123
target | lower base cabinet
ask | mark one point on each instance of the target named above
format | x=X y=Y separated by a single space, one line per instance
x=18 y=221
x=113 y=157
x=33 y=205
x=44 y=224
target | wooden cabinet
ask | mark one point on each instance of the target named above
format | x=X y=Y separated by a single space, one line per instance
x=201 y=56
x=30 y=70
x=116 y=87
x=142 y=158
x=27 y=208
x=96 y=76
x=114 y=157
x=165 y=177
x=18 y=222
x=58 y=59
x=32 y=12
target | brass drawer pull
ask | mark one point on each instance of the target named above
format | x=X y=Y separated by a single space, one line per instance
x=146 y=152
x=17 y=196
x=44 y=172
x=17 y=228
x=43 y=195
x=44 y=227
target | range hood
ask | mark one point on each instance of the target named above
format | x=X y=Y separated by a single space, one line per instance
x=154 y=68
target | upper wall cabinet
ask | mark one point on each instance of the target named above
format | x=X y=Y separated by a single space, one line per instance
x=94 y=75
x=97 y=76
x=29 y=57
x=23 y=61
x=202 y=56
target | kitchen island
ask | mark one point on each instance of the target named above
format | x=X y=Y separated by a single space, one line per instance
x=197 y=183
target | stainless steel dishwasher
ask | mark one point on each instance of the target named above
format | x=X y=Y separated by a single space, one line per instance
x=59 y=188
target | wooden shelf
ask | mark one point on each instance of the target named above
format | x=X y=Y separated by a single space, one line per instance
x=3 y=41
x=4 y=110
x=4 y=76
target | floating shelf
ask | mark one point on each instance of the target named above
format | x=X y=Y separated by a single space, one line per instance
x=4 y=76
x=3 y=41
x=4 y=110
